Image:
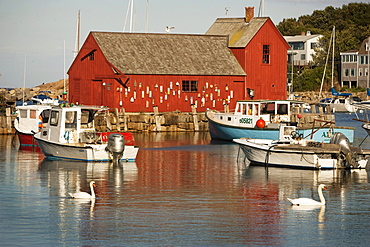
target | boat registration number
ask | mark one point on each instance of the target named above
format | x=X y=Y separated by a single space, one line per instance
x=246 y=120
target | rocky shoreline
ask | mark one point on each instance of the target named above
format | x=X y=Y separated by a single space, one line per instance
x=143 y=121
x=10 y=96
x=313 y=97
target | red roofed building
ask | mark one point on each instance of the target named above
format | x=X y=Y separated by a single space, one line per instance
x=238 y=58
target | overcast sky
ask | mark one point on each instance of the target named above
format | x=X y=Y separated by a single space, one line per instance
x=33 y=32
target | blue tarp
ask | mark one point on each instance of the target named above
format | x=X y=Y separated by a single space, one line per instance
x=41 y=97
x=335 y=93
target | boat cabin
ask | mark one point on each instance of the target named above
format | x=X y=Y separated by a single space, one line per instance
x=249 y=112
x=31 y=117
x=71 y=125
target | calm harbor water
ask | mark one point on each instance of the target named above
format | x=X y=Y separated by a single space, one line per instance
x=183 y=190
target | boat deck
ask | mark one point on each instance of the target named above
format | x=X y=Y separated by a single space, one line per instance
x=323 y=148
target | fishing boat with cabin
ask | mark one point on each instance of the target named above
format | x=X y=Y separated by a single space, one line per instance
x=29 y=120
x=262 y=119
x=296 y=152
x=70 y=134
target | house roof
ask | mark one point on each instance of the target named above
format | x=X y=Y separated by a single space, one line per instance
x=168 y=54
x=240 y=32
x=361 y=51
x=349 y=52
x=364 y=46
x=301 y=38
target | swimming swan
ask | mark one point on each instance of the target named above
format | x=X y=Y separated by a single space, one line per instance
x=309 y=201
x=85 y=195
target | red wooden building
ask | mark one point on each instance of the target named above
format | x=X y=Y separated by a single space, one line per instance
x=238 y=57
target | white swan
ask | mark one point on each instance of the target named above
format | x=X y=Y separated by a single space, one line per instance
x=309 y=201
x=85 y=195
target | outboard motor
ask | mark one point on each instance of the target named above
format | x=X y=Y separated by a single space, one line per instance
x=116 y=146
x=342 y=140
x=346 y=156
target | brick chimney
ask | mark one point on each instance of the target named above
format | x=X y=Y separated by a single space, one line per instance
x=249 y=13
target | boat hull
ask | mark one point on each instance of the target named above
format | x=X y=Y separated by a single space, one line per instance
x=87 y=152
x=366 y=127
x=26 y=139
x=261 y=152
x=227 y=132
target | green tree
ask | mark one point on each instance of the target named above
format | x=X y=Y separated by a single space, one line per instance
x=352 y=25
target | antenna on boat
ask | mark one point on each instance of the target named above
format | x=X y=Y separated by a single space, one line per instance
x=24 y=77
x=64 y=67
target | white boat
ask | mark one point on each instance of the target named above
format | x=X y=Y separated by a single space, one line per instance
x=29 y=120
x=70 y=134
x=262 y=119
x=340 y=104
x=43 y=99
x=301 y=153
x=364 y=108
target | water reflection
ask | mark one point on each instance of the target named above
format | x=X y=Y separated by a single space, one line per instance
x=181 y=190
x=69 y=176
x=189 y=188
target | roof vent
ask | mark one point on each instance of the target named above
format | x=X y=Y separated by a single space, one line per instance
x=308 y=33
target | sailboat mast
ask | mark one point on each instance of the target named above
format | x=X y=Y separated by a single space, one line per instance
x=78 y=34
x=368 y=61
x=130 y=8
x=326 y=62
x=332 y=62
x=261 y=11
x=132 y=15
x=147 y=16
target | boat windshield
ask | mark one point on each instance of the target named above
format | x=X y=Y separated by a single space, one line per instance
x=71 y=119
x=272 y=108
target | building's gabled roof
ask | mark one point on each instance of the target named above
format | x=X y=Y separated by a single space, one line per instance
x=240 y=32
x=168 y=54
x=365 y=46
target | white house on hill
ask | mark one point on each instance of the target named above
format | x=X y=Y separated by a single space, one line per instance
x=302 y=48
